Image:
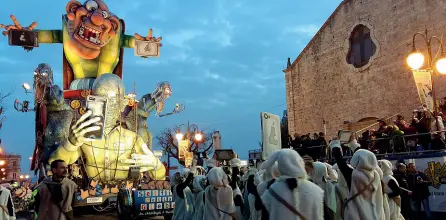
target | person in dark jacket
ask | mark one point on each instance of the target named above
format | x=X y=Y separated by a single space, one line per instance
x=401 y=177
x=420 y=187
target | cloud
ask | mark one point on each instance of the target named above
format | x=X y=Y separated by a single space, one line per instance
x=218 y=102
x=214 y=76
x=150 y=62
x=8 y=60
x=183 y=38
x=309 y=29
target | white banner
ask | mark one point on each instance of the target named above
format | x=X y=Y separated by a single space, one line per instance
x=423 y=81
x=435 y=169
x=270 y=134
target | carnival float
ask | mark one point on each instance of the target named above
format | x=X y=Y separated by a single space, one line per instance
x=91 y=122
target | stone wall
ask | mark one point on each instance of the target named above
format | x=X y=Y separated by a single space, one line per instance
x=321 y=85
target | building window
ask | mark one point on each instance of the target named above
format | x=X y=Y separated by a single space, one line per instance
x=14 y=163
x=14 y=176
x=362 y=47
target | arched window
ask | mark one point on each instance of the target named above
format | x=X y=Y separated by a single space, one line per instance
x=362 y=47
x=14 y=163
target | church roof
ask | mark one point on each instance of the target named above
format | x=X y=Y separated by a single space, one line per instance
x=289 y=67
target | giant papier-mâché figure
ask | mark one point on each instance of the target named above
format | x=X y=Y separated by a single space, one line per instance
x=92 y=39
x=108 y=159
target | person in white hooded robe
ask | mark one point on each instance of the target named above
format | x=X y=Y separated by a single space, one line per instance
x=386 y=210
x=269 y=176
x=365 y=200
x=341 y=189
x=199 y=185
x=219 y=203
x=254 y=200
x=392 y=190
x=292 y=196
x=319 y=176
x=183 y=196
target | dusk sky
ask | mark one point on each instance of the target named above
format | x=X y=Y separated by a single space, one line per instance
x=223 y=58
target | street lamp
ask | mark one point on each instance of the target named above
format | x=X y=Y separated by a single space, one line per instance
x=2 y=162
x=27 y=177
x=197 y=135
x=416 y=60
x=21 y=176
x=26 y=87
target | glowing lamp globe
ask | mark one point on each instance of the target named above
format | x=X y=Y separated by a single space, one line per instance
x=415 y=60
x=179 y=136
x=198 y=137
x=441 y=65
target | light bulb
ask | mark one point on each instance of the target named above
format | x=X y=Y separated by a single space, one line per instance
x=441 y=65
x=179 y=136
x=415 y=60
x=198 y=137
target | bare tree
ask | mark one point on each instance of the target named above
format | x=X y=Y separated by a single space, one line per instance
x=166 y=139
x=3 y=96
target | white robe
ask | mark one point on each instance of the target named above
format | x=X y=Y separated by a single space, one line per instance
x=319 y=175
x=368 y=205
x=184 y=207
x=307 y=198
x=394 y=209
x=217 y=206
x=199 y=206
x=255 y=215
x=5 y=198
x=341 y=189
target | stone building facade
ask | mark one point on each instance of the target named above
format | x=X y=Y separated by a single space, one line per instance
x=329 y=82
x=13 y=166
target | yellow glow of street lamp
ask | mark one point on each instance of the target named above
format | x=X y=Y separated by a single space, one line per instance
x=415 y=60
x=2 y=162
x=21 y=176
x=30 y=158
x=27 y=177
x=179 y=136
x=3 y=178
x=198 y=137
x=3 y=169
x=441 y=65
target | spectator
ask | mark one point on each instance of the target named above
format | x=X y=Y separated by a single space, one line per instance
x=397 y=139
x=323 y=144
x=437 y=142
x=419 y=185
x=401 y=177
x=382 y=134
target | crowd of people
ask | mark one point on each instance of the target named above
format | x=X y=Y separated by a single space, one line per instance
x=422 y=132
x=290 y=186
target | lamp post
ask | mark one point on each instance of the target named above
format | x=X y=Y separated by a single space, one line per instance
x=416 y=60
x=191 y=129
x=192 y=132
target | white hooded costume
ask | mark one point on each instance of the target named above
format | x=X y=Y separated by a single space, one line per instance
x=386 y=209
x=184 y=207
x=332 y=174
x=219 y=203
x=306 y=198
x=319 y=175
x=394 y=208
x=368 y=204
x=269 y=174
x=199 y=198
x=6 y=202
x=341 y=189
x=254 y=214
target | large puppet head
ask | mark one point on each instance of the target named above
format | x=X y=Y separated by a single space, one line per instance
x=90 y=26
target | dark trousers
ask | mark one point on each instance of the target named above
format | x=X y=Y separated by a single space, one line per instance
x=427 y=210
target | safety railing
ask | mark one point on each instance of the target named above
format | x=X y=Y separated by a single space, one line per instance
x=323 y=153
